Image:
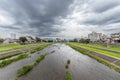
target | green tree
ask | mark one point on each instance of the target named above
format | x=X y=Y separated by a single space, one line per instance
x=31 y=37
x=23 y=39
x=75 y=40
x=38 y=39
x=82 y=40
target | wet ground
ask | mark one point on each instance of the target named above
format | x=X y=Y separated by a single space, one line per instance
x=52 y=67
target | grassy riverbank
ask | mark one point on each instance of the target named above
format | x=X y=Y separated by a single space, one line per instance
x=78 y=48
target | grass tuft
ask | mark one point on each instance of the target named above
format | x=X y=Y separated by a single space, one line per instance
x=27 y=68
x=68 y=61
x=68 y=76
x=24 y=70
x=67 y=66
x=39 y=58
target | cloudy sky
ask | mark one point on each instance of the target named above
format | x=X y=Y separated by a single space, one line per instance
x=62 y=18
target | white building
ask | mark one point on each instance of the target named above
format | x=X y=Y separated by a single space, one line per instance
x=115 y=37
x=13 y=36
x=94 y=37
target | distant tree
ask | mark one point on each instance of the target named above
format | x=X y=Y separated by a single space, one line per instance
x=38 y=39
x=87 y=41
x=50 y=40
x=31 y=37
x=23 y=39
x=1 y=40
x=82 y=40
x=75 y=40
x=71 y=40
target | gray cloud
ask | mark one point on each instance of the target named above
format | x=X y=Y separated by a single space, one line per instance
x=38 y=15
x=100 y=6
x=102 y=12
x=54 y=17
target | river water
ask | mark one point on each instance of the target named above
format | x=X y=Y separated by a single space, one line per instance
x=82 y=67
x=52 y=67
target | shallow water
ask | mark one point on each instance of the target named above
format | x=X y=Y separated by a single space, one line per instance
x=82 y=67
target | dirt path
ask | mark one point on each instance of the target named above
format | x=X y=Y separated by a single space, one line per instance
x=110 y=59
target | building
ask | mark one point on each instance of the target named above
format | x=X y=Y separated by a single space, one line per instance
x=13 y=36
x=115 y=37
x=96 y=37
x=9 y=40
x=30 y=40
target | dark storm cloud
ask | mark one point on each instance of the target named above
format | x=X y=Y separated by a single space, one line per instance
x=100 y=6
x=37 y=15
x=59 y=17
x=9 y=27
x=102 y=12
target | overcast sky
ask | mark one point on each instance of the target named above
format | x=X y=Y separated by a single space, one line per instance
x=62 y=18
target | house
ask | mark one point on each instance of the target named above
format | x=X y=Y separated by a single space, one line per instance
x=30 y=40
x=9 y=40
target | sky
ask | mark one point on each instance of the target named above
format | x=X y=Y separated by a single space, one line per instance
x=59 y=18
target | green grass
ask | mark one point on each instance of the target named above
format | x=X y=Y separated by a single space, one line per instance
x=97 y=50
x=27 y=68
x=111 y=46
x=68 y=76
x=9 y=46
x=12 y=59
x=37 y=48
x=24 y=70
x=78 y=48
x=39 y=58
x=6 y=47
